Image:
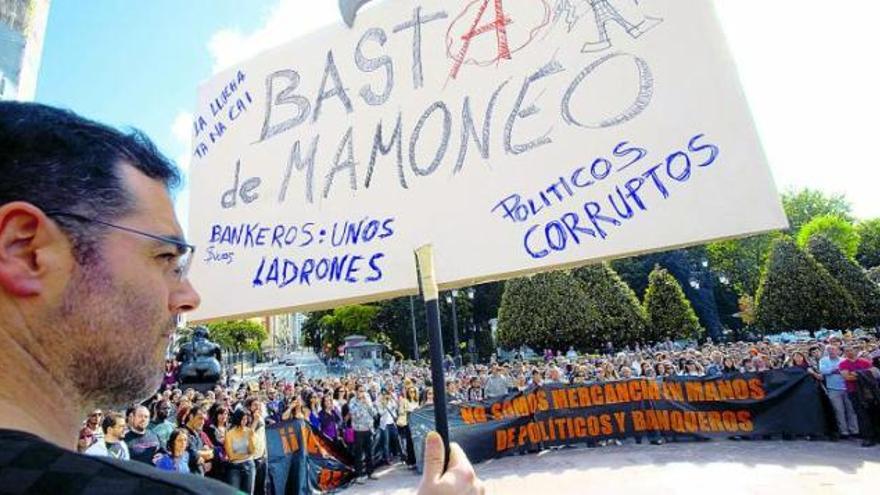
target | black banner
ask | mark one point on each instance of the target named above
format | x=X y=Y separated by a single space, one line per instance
x=302 y=461
x=785 y=401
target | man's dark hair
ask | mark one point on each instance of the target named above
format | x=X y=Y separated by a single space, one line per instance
x=193 y=412
x=59 y=161
x=110 y=420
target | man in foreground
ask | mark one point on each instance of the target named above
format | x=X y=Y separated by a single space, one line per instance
x=91 y=257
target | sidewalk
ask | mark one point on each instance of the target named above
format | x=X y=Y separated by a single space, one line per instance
x=716 y=468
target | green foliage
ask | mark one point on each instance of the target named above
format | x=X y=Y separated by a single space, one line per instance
x=869 y=249
x=619 y=316
x=311 y=329
x=747 y=309
x=670 y=314
x=802 y=206
x=797 y=293
x=874 y=275
x=740 y=260
x=395 y=321
x=238 y=335
x=851 y=276
x=837 y=229
x=356 y=319
x=548 y=310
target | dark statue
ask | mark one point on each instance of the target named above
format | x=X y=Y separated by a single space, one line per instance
x=200 y=359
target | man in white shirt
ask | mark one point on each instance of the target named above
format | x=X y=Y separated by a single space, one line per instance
x=112 y=446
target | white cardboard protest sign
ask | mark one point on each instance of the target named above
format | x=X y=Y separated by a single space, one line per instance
x=514 y=136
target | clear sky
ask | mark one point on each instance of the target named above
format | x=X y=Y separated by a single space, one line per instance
x=808 y=66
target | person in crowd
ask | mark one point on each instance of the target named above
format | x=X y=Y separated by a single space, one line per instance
x=835 y=385
x=312 y=412
x=91 y=431
x=294 y=410
x=716 y=367
x=143 y=444
x=93 y=257
x=691 y=368
x=453 y=391
x=240 y=448
x=216 y=427
x=161 y=424
x=113 y=446
x=848 y=369
x=361 y=413
x=497 y=385
x=409 y=402
x=387 y=408
x=261 y=455
x=428 y=397
x=329 y=419
x=176 y=456
x=475 y=390
x=200 y=455
x=169 y=376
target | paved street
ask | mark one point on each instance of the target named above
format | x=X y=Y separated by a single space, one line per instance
x=716 y=468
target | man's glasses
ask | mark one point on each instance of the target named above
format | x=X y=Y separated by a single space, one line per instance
x=181 y=261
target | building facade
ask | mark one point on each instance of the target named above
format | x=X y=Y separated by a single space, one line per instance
x=22 y=32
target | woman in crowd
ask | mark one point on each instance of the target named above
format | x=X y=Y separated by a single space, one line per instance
x=312 y=412
x=428 y=399
x=728 y=366
x=177 y=457
x=218 y=423
x=240 y=448
x=407 y=404
x=169 y=377
x=329 y=419
x=691 y=368
x=799 y=360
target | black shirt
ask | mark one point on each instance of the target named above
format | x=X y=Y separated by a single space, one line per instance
x=142 y=447
x=31 y=465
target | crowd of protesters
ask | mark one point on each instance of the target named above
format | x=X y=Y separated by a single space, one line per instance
x=222 y=433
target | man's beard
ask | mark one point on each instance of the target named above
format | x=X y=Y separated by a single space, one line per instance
x=117 y=351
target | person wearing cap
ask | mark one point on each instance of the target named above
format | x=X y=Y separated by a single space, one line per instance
x=91 y=431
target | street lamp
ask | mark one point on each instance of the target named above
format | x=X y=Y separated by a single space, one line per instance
x=472 y=344
x=451 y=300
x=412 y=318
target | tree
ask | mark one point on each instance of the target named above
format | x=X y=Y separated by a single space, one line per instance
x=395 y=321
x=869 y=249
x=547 y=310
x=238 y=335
x=692 y=269
x=739 y=261
x=620 y=317
x=851 y=276
x=802 y=206
x=356 y=319
x=797 y=293
x=874 y=275
x=311 y=329
x=670 y=314
x=747 y=309
x=836 y=228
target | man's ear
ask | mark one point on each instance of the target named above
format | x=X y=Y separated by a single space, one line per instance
x=25 y=236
